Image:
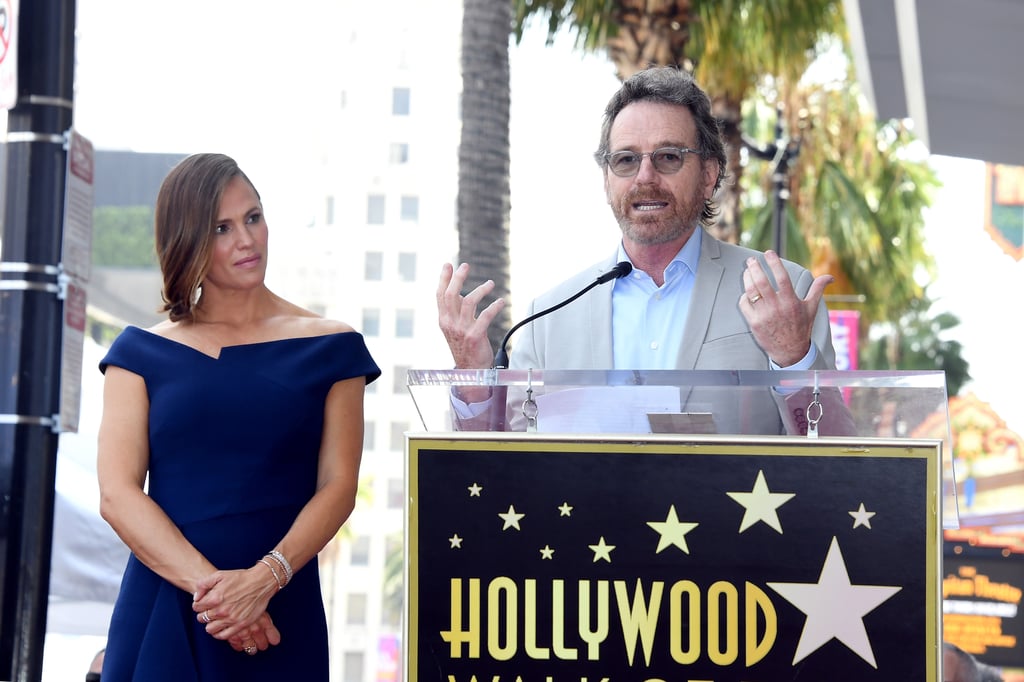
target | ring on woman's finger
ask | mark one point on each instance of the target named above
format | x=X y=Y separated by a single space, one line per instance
x=205 y=616
x=250 y=649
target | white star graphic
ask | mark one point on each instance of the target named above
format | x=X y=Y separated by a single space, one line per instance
x=511 y=518
x=861 y=517
x=834 y=608
x=547 y=553
x=474 y=490
x=672 y=531
x=602 y=551
x=456 y=541
x=565 y=509
x=760 y=504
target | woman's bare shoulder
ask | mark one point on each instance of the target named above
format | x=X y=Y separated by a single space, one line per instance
x=302 y=322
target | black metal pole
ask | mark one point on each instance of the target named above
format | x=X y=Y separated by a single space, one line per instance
x=30 y=326
x=780 y=153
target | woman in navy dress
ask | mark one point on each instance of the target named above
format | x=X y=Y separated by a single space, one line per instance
x=229 y=451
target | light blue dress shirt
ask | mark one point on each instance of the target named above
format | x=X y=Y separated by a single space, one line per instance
x=648 y=320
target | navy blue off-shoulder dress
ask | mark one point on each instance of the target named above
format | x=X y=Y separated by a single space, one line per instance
x=233 y=449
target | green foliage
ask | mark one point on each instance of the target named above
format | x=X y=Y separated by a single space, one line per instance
x=123 y=236
x=915 y=342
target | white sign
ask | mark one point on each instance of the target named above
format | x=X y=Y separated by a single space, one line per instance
x=76 y=261
x=8 y=53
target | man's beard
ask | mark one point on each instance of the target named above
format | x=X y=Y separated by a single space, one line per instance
x=650 y=230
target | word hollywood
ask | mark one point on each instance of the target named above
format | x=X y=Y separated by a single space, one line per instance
x=514 y=621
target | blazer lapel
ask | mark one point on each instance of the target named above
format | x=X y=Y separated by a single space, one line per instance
x=702 y=302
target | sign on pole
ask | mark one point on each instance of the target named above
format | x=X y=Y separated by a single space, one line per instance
x=76 y=263
x=8 y=53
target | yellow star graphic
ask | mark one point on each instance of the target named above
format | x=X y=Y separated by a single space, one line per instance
x=565 y=509
x=511 y=518
x=547 y=553
x=602 y=551
x=761 y=504
x=456 y=541
x=474 y=490
x=672 y=531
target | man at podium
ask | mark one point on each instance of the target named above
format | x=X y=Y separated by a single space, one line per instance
x=679 y=298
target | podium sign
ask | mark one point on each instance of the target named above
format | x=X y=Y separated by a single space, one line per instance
x=725 y=559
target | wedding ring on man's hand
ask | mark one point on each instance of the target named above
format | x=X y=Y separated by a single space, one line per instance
x=754 y=299
x=206 y=616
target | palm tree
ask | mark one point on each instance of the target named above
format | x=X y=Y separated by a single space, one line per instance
x=484 y=194
x=858 y=189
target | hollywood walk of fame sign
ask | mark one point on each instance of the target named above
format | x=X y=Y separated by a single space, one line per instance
x=715 y=559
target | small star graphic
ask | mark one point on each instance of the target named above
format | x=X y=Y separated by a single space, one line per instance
x=760 y=504
x=474 y=490
x=565 y=510
x=547 y=553
x=672 y=532
x=861 y=517
x=511 y=518
x=455 y=541
x=602 y=551
x=834 y=608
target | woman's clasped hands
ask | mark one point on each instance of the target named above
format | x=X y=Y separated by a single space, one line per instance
x=233 y=607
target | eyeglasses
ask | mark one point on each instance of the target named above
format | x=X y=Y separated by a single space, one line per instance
x=667 y=160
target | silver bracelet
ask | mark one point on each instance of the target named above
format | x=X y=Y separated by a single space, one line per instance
x=277 y=578
x=279 y=558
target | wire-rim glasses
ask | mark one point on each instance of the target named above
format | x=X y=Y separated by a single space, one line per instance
x=666 y=160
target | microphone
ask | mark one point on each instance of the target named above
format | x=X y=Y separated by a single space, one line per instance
x=621 y=269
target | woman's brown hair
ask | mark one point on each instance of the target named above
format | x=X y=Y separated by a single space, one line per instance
x=186 y=213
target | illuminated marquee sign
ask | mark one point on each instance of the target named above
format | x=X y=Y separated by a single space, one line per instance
x=532 y=560
x=981 y=600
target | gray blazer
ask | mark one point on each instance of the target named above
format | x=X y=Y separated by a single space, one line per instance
x=716 y=337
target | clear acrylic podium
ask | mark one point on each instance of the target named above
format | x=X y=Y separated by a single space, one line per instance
x=644 y=525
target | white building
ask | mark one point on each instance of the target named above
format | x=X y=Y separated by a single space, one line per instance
x=385 y=223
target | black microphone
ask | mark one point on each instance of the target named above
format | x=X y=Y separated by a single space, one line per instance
x=621 y=269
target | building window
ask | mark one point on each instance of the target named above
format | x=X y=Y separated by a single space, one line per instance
x=375 y=209
x=398 y=430
x=399 y=153
x=371 y=322
x=407 y=267
x=396 y=493
x=403 y=325
x=369 y=436
x=400 y=378
x=329 y=211
x=410 y=208
x=361 y=551
x=374 y=270
x=400 y=101
x=353 y=666
x=355 y=609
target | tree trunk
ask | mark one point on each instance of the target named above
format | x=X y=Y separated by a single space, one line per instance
x=728 y=227
x=649 y=33
x=484 y=194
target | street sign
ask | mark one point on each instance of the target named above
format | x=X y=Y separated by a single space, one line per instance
x=8 y=53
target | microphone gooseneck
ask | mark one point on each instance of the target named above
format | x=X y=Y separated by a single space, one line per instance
x=621 y=269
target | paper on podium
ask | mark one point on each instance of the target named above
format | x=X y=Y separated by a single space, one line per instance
x=682 y=422
x=604 y=409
